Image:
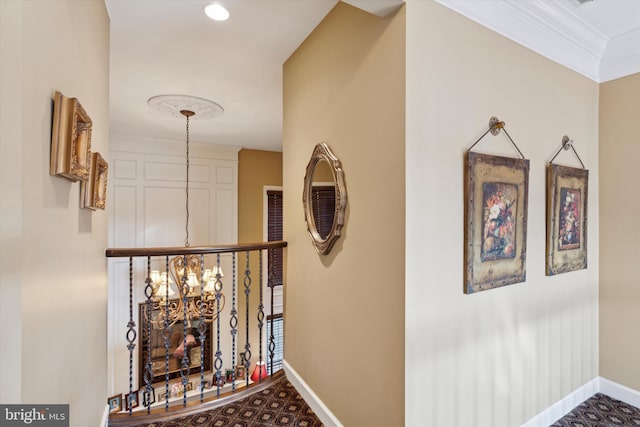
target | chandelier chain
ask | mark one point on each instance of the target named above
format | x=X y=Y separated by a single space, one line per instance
x=186 y=240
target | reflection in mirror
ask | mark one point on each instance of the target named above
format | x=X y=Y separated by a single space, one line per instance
x=324 y=198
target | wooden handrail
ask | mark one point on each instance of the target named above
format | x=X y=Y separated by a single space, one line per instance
x=192 y=250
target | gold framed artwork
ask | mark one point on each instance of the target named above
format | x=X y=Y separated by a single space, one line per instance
x=93 y=191
x=496 y=198
x=567 y=189
x=70 y=139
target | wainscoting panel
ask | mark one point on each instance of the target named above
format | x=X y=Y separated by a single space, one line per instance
x=124 y=169
x=224 y=199
x=164 y=216
x=164 y=171
x=224 y=175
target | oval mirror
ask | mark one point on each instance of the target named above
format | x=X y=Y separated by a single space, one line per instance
x=324 y=198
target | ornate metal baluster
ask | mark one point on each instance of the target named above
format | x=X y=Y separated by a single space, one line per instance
x=131 y=333
x=184 y=367
x=271 y=285
x=218 y=362
x=166 y=334
x=246 y=356
x=233 y=322
x=260 y=319
x=202 y=327
x=148 y=373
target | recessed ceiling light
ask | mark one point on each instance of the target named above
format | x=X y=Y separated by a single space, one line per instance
x=217 y=12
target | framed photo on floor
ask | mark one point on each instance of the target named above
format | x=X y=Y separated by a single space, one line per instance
x=241 y=372
x=148 y=396
x=115 y=403
x=131 y=400
x=496 y=198
x=567 y=189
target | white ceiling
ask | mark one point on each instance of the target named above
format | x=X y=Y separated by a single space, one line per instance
x=171 y=47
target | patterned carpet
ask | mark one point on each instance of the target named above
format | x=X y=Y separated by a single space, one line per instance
x=600 y=411
x=278 y=405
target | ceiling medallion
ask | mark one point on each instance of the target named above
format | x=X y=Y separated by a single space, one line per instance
x=172 y=105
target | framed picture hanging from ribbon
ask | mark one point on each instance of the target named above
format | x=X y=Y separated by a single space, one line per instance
x=567 y=189
x=496 y=198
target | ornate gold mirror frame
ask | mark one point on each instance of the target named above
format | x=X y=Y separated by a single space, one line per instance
x=322 y=152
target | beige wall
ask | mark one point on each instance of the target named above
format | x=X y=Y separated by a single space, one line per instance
x=57 y=275
x=344 y=331
x=256 y=169
x=620 y=209
x=495 y=358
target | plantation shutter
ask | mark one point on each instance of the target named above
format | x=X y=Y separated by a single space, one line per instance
x=274 y=232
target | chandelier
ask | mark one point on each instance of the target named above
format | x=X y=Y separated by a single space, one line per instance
x=200 y=294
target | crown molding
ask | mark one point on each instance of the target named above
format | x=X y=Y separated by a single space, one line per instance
x=538 y=25
x=622 y=56
x=555 y=32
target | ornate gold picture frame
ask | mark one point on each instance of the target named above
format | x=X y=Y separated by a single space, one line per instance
x=567 y=189
x=70 y=139
x=496 y=198
x=93 y=192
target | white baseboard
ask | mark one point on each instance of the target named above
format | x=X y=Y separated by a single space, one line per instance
x=564 y=405
x=570 y=401
x=104 y=422
x=314 y=402
x=620 y=392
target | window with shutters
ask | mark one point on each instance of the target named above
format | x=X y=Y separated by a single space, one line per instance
x=275 y=321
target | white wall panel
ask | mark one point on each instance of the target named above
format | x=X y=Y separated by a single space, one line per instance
x=124 y=214
x=164 y=171
x=199 y=174
x=200 y=213
x=124 y=169
x=164 y=216
x=224 y=215
x=224 y=175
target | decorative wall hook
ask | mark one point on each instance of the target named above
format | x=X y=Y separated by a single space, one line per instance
x=495 y=126
x=566 y=144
